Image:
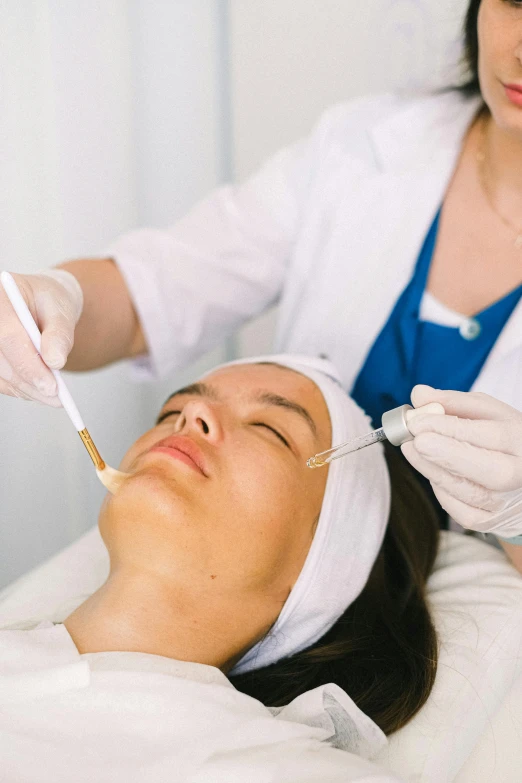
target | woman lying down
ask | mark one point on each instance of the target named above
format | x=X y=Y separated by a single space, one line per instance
x=260 y=622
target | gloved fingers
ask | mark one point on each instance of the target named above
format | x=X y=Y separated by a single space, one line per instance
x=57 y=319
x=25 y=391
x=469 y=493
x=466 y=405
x=502 y=524
x=504 y=436
x=469 y=517
x=55 y=299
x=6 y=371
x=19 y=353
x=470 y=505
x=490 y=469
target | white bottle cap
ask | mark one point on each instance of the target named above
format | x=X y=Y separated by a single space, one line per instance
x=394 y=425
x=395 y=422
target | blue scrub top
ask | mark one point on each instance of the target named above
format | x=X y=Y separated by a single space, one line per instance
x=409 y=351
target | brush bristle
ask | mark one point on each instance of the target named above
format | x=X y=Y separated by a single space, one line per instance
x=111 y=478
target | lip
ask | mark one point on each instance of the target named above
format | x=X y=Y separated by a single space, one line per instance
x=184 y=449
x=514 y=93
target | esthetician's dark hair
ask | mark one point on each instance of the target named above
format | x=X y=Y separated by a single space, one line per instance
x=383 y=649
x=471 y=87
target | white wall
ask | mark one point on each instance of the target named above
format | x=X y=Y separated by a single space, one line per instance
x=291 y=59
x=116 y=113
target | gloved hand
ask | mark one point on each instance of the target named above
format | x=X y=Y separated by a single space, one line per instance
x=473 y=458
x=55 y=299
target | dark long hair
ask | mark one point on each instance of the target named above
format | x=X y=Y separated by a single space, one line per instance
x=471 y=86
x=383 y=649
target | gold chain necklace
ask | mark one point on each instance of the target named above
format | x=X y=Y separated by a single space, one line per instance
x=481 y=160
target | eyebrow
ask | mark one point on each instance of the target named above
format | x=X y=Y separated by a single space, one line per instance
x=197 y=390
x=282 y=402
x=266 y=398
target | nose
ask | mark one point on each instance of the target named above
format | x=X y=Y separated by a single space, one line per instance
x=200 y=418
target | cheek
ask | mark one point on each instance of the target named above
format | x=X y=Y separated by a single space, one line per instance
x=498 y=38
x=261 y=489
x=486 y=46
x=271 y=509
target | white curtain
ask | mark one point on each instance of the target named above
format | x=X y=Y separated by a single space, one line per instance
x=120 y=113
x=113 y=114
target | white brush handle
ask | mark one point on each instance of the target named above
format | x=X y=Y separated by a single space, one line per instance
x=29 y=324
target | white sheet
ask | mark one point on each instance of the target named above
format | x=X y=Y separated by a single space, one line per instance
x=476 y=602
x=122 y=717
x=469 y=731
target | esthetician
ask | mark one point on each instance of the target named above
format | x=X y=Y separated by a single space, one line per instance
x=392 y=239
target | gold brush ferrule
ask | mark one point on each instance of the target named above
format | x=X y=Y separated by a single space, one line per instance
x=99 y=464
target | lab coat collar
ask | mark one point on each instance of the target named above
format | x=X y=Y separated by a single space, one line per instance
x=416 y=149
x=511 y=336
x=409 y=137
x=506 y=349
x=414 y=138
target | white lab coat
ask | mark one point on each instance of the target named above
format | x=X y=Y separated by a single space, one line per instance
x=331 y=227
x=120 y=717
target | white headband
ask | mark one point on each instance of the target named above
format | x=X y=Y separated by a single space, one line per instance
x=349 y=532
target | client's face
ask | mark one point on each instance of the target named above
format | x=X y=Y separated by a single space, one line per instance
x=500 y=60
x=220 y=502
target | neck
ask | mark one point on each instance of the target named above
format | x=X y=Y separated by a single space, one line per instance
x=503 y=165
x=137 y=612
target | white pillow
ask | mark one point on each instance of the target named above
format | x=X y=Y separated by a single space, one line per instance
x=497 y=755
x=52 y=590
x=470 y=728
x=476 y=601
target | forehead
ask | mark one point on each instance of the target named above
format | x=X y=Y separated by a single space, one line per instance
x=242 y=380
x=252 y=376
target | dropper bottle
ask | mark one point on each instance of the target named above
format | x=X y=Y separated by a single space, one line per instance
x=394 y=428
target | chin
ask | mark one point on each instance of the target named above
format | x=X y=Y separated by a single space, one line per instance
x=148 y=524
x=138 y=524
x=147 y=495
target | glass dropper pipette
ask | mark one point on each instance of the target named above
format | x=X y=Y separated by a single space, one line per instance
x=394 y=428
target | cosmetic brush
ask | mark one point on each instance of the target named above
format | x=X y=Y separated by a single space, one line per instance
x=111 y=478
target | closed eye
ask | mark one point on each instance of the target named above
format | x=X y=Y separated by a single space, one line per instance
x=268 y=427
x=164 y=416
x=255 y=424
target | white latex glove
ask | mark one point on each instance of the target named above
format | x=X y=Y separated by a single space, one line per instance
x=472 y=457
x=55 y=299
